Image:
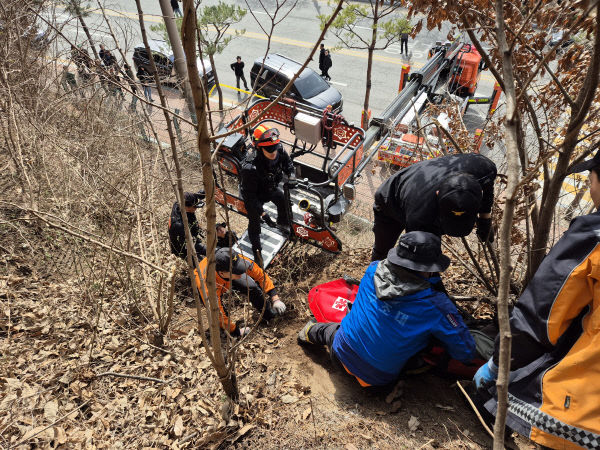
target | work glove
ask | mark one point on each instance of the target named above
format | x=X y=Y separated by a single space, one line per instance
x=278 y=307
x=240 y=332
x=267 y=219
x=486 y=375
x=484 y=229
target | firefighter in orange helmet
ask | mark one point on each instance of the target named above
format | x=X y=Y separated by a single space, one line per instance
x=260 y=177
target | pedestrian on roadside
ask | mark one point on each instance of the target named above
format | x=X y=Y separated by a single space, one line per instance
x=82 y=60
x=321 y=56
x=102 y=74
x=131 y=81
x=176 y=11
x=326 y=65
x=145 y=79
x=404 y=42
x=68 y=82
x=106 y=56
x=114 y=81
x=238 y=69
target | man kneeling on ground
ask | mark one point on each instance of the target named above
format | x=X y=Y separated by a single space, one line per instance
x=246 y=277
x=398 y=308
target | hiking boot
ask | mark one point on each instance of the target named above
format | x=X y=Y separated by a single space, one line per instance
x=284 y=228
x=258 y=259
x=303 y=333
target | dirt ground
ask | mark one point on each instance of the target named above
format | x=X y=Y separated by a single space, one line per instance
x=62 y=385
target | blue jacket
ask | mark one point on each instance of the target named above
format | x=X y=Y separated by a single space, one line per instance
x=393 y=317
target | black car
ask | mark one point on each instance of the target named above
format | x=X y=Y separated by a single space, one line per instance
x=309 y=88
x=164 y=61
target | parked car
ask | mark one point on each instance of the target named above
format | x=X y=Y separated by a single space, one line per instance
x=165 y=61
x=556 y=34
x=309 y=88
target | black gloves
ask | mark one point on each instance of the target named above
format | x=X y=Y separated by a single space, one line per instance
x=484 y=229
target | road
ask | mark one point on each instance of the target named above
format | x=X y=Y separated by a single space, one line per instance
x=294 y=37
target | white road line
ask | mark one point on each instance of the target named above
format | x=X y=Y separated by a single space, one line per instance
x=261 y=12
x=364 y=28
x=338 y=83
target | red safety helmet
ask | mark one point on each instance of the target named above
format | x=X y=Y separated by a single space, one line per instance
x=265 y=136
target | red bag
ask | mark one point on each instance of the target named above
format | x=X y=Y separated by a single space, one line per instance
x=329 y=301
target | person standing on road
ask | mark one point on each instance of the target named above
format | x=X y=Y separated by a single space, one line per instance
x=404 y=42
x=326 y=65
x=321 y=56
x=131 y=81
x=176 y=10
x=146 y=80
x=260 y=177
x=442 y=196
x=106 y=56
x=238 y=69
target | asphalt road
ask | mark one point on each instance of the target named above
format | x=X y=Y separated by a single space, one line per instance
x=294 y=37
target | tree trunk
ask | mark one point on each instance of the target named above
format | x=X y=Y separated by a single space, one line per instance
x=512 y=157
x=87 y=33
x=219 y=90
x=365 y=114
x=578 y=113
x=226 y=373
x=581 y=190
x=180 y=66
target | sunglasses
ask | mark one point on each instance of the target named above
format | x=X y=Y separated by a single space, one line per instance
x=272 y=148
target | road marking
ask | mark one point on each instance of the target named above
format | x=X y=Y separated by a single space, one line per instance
x=287 y=41
x=338 y=83
x=363 y=28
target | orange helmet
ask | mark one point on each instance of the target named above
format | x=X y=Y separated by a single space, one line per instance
x=265 y=136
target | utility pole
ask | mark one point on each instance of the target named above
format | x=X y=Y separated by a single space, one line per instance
x=180 y=64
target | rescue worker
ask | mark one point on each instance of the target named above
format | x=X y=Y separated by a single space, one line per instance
x=240 y=273
x=225 y=237
x=445 y=195
x=177 y=230
x=553 y=391
x=261 y=174
x=399 y=306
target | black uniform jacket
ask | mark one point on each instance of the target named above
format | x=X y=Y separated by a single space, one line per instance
x=261 y=176
x=410 y=195
x=177 y=230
